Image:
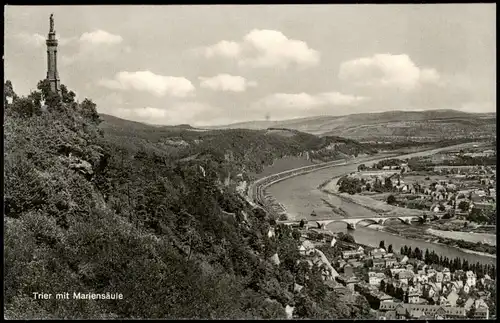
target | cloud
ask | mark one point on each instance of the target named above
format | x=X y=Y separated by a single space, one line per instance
x=387 y=70
x=147 y=81
x=265 y=48
x=478 y=107
x=191 y=112
x=95 y=46
x=223 y=48
x=100 y=37
x=226 y=82
x=36 y=39
x=305 y=100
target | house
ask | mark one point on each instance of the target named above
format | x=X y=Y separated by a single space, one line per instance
x=420 y=278
x=480 y=303
x=404 y=310
x=389 y=255
x=348 y=254
x=306 y=248
x=389 y=315
x=459 y=275
x=482 y=313
x=452 y=298
x=349 y=282
x=356 y=264
x=438 y=277
x=469 y=303
x=395 y=271
x=430 y=271
x=374 y=278
x=378 y=263
x=470 y=278
x=377 y=253
x=457 y=286
x=389 y=262
x=443 y=301
x=404 y=260
x=413 y=295
x=446 y=274
x=404 y=276
x=430 y=290
x=348 y=271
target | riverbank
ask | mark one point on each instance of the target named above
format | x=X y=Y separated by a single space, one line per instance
x=424 y=233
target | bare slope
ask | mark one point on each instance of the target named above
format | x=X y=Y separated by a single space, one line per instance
x=414 y=125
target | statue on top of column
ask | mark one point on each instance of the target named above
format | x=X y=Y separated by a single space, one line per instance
x=51 y=22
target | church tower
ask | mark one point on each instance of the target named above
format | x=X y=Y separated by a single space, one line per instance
x=52 y=74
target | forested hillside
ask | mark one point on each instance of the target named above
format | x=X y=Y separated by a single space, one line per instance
x=95 y=209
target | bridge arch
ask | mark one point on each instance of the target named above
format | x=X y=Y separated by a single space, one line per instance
x=349 y=223
x=370 y=221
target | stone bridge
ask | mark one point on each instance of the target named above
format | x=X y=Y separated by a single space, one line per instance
x=352 y=222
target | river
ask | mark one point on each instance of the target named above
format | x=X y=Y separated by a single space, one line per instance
x=300 y=195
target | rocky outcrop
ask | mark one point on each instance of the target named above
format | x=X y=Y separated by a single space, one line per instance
x=275 y=259
x=289 y=312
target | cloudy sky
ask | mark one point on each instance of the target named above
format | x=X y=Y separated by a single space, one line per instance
x=207 y=65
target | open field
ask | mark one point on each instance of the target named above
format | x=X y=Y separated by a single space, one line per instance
x=466 y=236
x=375 y=203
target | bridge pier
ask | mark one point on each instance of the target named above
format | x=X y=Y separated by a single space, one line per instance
x=351 y=226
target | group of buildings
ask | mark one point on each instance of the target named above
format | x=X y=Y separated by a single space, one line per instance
x=402 y=288
x=473 y=185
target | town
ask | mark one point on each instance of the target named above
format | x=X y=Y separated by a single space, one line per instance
x=456 y=184
x=400 y=285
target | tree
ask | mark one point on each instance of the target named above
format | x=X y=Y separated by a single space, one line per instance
x=389 y=249
x=391 y=199
x=382 y=286
x=361 y=167
x=418 y=253
x=463 y=206
x=382 y=244
x=346 y=237
x=388 y=184
x=23 y=107
x=67 y=96
x=89 y=111
x=8 y=92
x=472 y=312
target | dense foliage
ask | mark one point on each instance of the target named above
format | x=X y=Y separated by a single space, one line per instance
x=90 y=209
x=430 y=257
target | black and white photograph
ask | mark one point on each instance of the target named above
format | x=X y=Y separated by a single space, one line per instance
x=294 y=162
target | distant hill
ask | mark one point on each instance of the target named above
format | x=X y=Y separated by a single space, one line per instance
x=252 y=148
x=394 y=125
x=115 y=122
